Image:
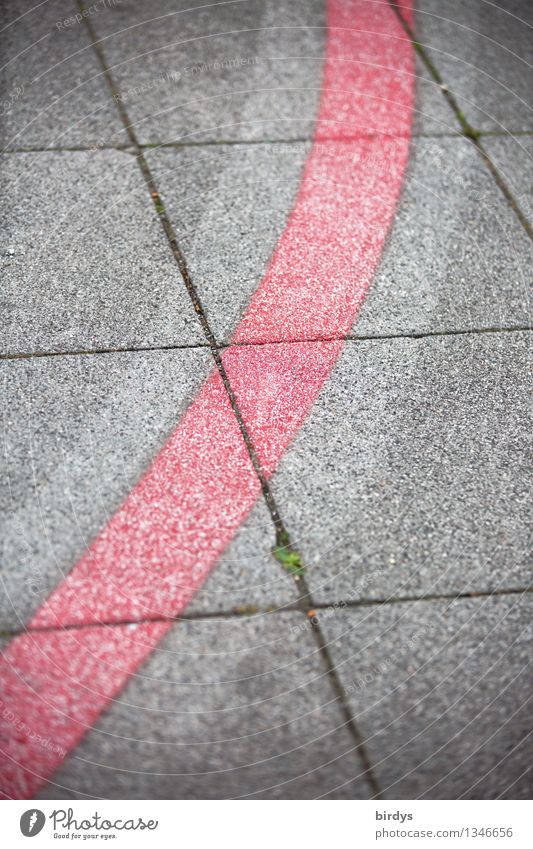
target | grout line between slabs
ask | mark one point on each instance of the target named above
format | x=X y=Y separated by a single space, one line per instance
x=378 y=337
x=283 y=548
x=468 y=131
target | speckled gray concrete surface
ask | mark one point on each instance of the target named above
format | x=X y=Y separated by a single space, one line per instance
x=77 y=433
x=441 y=691
x=513 y=157
x=86 y=264
x=421 y=484
x=53 y=94
x=253 y=70
x=457 y=257
x=246 y=576
x=484 y=54
x=224 y=708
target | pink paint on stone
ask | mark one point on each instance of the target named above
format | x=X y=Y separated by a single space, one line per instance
x=161 y=544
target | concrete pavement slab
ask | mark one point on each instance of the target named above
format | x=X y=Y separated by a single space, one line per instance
x=442 y=694
x=224 y=708
x=78 y=432
x=484 y=55
x=457 y=257
x=410 y=474
x=86 y=263
x=249 y=71
x=53 y=93
x=247 y=578
x=421 y=484
x=90 y=425
x=514 y=159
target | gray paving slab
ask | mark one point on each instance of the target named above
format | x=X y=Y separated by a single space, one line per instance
x=457 y=257
x=86 y=264
x=513 y=156
x=77 y=434
x=247 y=71
x=432 y=115
x=410 y=475
x=243 y=71
x=53 y=94
x=442 y=694
x=224 y=708
x=484 y=54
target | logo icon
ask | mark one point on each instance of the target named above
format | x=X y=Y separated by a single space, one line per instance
x=31 y=822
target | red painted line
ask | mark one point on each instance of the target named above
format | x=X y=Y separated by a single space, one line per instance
x=160 y=545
